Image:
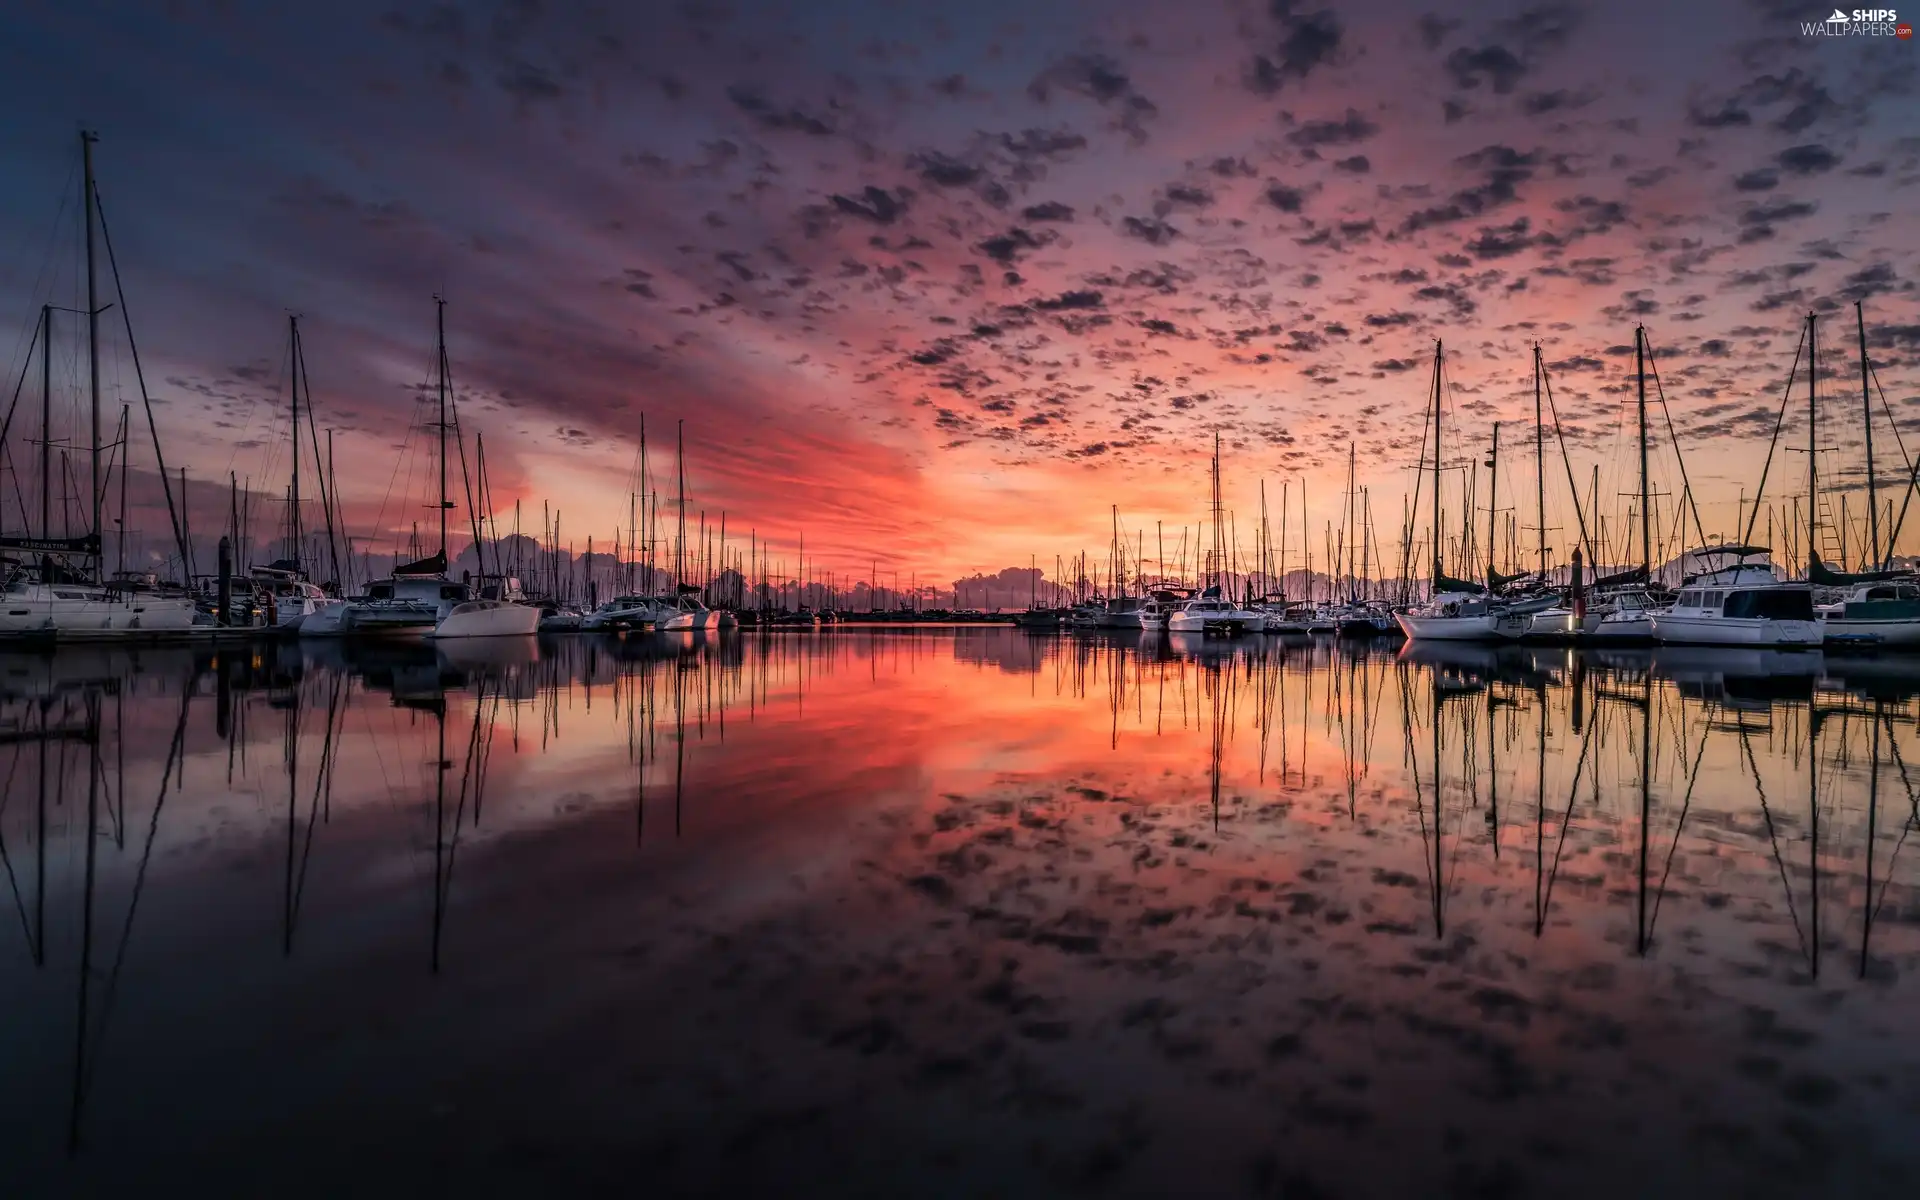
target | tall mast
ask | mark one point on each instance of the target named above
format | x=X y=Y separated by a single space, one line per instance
x=46 y=420
x=680 y=540
x=1350 y=530
x=293 y=373
x=1493 y=502
x=1866 y=414
x=1540 y=458
x=440 y=371
x=1437 y=352
x=1646 y=497
x=93 y=344
x=1813 y=446
x=680 y=550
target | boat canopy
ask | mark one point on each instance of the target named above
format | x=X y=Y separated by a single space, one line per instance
x=1622 y=578
x=1737 y=550
x=435 y=565
x=1445 y=583
x=1825 y=576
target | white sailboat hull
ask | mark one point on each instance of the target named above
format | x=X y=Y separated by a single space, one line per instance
x=1490 y=627
x=43 y=611
x=488 y=618
x=1892 y=631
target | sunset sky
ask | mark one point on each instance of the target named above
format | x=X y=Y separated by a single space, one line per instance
x=938 y=284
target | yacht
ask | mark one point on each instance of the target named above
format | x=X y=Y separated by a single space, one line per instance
x=407 y=605
x=290 y=598
x=1121 y=612
x=689 y=615
x=1624 y=616
x=625 y=613
x=50 y=603
x=1885 y=612
x=495 y=607
x=1465 y=617
x=1209 y=612
x=1739 y=603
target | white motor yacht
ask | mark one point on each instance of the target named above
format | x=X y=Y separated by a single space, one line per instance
x=1210 y=612
x=1740 y=603
x=626 y=613
x=404 y=606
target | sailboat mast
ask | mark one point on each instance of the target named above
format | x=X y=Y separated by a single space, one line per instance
x=1493 y=503
x=1646 y=496
x=440 y=372
x=1350 y=530
x=93 y=344
x=1540 y=459
x=46 y=420
x=1437 y=352
x=1813 y=447
x=293 y=373
x=1866 y=415
x=680 y=540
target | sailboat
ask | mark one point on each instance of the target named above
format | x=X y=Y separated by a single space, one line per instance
x=1882 y=606
x=418 y=599
x=1457 y=610
x=55 y=598
x=1739 y=600
x=686 y=613
x=1624 y=607
x=1212 y=611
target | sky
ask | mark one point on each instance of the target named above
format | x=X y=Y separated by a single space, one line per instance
x=939 y=285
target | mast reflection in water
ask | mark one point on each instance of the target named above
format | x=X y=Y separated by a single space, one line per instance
x=962 y=905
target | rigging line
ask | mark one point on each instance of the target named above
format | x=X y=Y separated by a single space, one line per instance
x=1906 y=826
x=1778 y=861
x=1686 y=484
x=1786 y=394
x=1573 y=489
x=53 y=244
x=1566 y=822
x=1913 y=468
x=1686 y=802
x=140 y=376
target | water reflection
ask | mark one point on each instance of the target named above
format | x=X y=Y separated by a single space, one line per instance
x=1612 y=868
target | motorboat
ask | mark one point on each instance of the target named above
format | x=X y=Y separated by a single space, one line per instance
x=1210 y=612
x=689 y=615
x=1624 y=616
x=1465 y=617
x=1121 y=612
x=1739 y=603
x=288 y=596
x=1882 y=613
x=624 y=613
x=409 y=604
x=497 y=607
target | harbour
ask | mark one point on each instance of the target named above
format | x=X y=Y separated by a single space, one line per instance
x=1095 y=901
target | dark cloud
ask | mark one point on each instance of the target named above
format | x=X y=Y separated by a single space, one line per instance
x=944 y=171
x=528 y=83
x=1305 y=41
x=1151 y=230
x=1757 y=222
x=1434 y=29
x=1071 y=300
x=1286 y=199
x=1353 y=127
x=1043 y=143
x=1500 y=67
x=1007 y=248
x=1050 y=210
x=1358 y=164
x=1810 y=159
x=1591 y=215
x=874 y=204
x=1184 y=195
x=1503 y=170
x=1102 y=80
x=1869 y=281
x=1502 y=241
x=1539 y=104
x=1391 y=320
x=780 y=118
x=1758 y=180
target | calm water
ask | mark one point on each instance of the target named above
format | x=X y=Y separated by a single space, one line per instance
x=959 y=912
